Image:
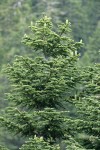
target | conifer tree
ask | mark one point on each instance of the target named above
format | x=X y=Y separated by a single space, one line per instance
x=45 y=87
x=42 y=86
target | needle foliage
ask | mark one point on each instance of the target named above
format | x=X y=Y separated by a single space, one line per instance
x=52 y=100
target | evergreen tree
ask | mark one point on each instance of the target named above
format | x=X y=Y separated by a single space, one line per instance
x=43 y=88
x=15 y=16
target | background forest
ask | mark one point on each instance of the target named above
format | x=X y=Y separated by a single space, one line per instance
x=15 y=18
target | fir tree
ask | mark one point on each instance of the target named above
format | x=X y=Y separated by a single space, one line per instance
x=43 y=88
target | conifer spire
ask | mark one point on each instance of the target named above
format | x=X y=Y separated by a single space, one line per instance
x=50 y=94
